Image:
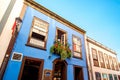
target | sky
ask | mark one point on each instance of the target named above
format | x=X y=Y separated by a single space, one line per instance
x=99 y=18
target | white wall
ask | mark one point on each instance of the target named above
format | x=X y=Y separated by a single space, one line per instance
x=3 y=6
x=98 y=69
x=7 y=32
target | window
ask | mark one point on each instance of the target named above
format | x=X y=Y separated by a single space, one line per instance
x=101 y=59
x=98 y=76
x=110 y=77
x=61 y=36
x=38 y=34
x=94 y=54
x=115 y=77
x=110 y=60
x=95 y=57
x=104 y=76
x=118 y=77
x=113 y=64
x=107 y=61
x=77 y=51
x=101 y=56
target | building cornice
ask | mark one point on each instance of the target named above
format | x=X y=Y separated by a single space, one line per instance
x=100 y=45
x=53 y=15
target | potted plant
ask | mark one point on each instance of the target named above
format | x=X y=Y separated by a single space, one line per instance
x=60 y=49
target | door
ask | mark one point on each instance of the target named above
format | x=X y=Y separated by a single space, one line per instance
x=78 y=73
x=59 y=70
x=31 y=69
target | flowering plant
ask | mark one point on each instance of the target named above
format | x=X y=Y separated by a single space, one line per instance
x=62 y=50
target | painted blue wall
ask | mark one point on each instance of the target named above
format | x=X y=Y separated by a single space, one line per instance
x=13 y=68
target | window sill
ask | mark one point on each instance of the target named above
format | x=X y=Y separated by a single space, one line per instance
x=35 y=46
x=95 y=59
x=78 y=57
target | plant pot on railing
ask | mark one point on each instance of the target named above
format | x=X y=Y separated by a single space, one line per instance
x=62 y=50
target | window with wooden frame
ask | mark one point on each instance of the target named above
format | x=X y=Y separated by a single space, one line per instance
x=107 y=61
x=104 y=76
x=117 y=65
x=113 y=64
x=115 y=77
x=101 y=56
x=119 y=77
x=95 y=57
x=61 y=36
x=110 y=77
x=110 y=60
x=77 y=47
x=38 y=33
x=98 y=75
x=94 y=54
x=101 y=59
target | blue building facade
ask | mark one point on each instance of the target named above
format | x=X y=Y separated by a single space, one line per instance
x=39 y=30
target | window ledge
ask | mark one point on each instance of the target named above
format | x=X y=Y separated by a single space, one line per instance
x=35 y=46
x=78 y=57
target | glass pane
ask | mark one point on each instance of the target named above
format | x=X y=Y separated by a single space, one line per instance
x=40 y=28
x=110 y=77
x=104 y=76
x=74 y=40
x=77 y=54
x=98 y=76
x=37 y=42
x=115 y=77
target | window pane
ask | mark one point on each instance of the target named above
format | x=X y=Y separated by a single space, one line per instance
x=61 y=36
x=77 y=54
x=94 y=53
x=40 y=28
x=104 y=76
x=37 y=42
x=110 y=77
x=100 y=56
x=98 y=76
x=39 y=32
x=115 y=77
x=38 y=36
x=77 y=47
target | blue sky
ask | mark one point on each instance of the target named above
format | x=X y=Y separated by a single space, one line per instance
x=100 y=18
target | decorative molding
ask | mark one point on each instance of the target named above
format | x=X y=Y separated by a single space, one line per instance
x=100 y=45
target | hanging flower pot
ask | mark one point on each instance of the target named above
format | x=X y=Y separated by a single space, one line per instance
x=62 y=50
